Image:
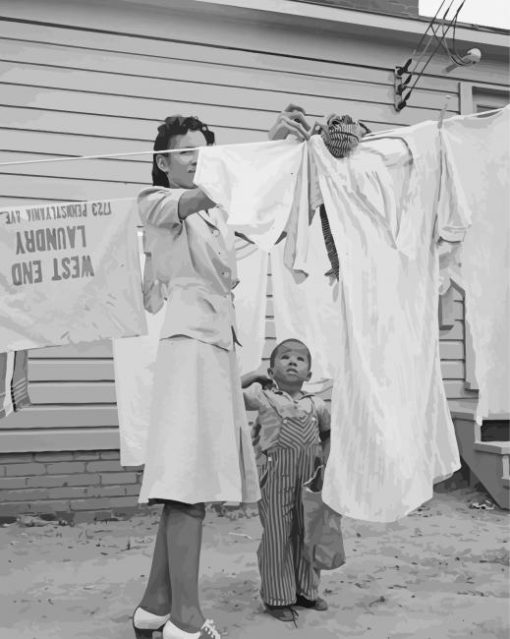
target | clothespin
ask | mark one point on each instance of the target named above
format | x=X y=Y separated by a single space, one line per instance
x=443 y=111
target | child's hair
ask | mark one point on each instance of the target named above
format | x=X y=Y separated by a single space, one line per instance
x=287 y=341
x=175 y=125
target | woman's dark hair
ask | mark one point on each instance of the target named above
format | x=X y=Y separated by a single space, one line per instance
x=172 y=126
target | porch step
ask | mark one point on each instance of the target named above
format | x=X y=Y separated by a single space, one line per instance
x=488 y=460
x=499 y=448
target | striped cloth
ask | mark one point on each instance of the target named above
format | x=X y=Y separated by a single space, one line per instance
x=13 y=382
x=284 y=568
x=330 y=244
x=341 y=136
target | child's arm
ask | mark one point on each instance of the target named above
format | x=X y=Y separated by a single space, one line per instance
x=326 y=445
x=260 y=376
x=253 y=396
x=324 y=418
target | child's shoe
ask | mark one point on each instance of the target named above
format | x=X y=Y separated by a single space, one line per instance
x=207 y=631
x=314 y=604
x=282 y=613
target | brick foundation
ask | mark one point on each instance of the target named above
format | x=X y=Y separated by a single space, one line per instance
x=76 y=486
x=85 y=486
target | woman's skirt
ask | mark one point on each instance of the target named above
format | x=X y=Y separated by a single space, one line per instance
x=198 y=447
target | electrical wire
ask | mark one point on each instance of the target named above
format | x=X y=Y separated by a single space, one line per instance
x=440 y=42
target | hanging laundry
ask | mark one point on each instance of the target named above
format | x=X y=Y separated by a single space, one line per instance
x=392 y=435
x=259 y=184
x=134 y=358
x=341 y=135
x=309 y=310
x=69 y=273
x=479 y=153
x=389 y=204
x=133 y=363
x=250 y=303
x=329 y=243
x=13 y=382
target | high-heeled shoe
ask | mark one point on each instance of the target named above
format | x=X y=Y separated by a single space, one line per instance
x=145 y=623
x=207 y=631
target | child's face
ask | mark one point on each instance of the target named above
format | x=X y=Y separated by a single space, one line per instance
x=291 y=365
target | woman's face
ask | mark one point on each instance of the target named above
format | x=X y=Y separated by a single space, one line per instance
x=180 y=167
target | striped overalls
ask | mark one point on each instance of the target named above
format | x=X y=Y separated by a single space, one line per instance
x=284 y=468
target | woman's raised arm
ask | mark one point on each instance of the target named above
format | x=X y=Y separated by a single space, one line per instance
x=193 y=201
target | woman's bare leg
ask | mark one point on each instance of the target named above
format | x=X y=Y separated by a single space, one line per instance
x=184 y=542
x=157 y=597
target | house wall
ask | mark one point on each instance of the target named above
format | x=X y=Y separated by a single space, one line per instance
x=404 y=8
x=90 y=78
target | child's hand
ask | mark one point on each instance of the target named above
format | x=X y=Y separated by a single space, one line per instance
x=259 y=376
x=265 y=381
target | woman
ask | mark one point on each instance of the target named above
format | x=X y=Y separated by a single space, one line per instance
x=199 y=448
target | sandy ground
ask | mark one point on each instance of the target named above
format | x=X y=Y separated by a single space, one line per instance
x=441 y=572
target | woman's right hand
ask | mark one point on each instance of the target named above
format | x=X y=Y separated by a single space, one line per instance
x=291 y=121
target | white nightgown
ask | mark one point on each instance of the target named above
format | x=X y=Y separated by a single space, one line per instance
x=392 y=436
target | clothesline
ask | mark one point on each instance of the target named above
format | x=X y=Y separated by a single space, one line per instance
x=369 y=137
x=376 y=134
x=116 y=155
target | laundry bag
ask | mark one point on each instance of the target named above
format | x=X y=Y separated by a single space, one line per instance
x=323 y=544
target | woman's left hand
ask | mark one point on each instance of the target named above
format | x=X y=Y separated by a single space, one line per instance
x=291 y=121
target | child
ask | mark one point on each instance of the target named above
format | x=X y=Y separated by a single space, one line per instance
x=291 y=428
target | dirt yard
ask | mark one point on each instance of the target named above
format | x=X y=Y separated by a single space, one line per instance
x=440 y=573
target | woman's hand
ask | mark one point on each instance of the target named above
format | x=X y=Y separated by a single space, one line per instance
x=291 y=121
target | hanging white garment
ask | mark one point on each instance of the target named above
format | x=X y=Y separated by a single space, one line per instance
x=308 y=310
x=267 y=188
x=13 y=382
x=392 y=435
x=479 y=150
x=260 y=185
x=250 y=304
x=135 y=358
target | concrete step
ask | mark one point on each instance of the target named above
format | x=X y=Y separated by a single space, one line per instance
x=498 y=448
x=488 y=460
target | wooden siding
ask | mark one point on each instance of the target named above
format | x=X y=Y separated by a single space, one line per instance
x=90 y=78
